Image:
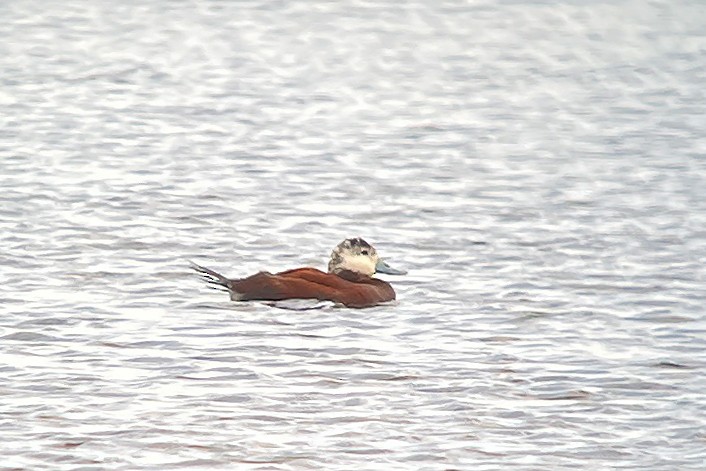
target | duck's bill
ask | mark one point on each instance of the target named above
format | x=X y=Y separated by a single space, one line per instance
x=383 y=267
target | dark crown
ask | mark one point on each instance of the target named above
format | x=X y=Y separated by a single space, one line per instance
x=358 y=242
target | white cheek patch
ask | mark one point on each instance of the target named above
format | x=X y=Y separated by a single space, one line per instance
x=360 y=264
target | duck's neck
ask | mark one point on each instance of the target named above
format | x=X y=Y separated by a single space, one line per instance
x=353 y=276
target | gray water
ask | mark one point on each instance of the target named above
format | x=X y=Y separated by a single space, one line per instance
x=538 y=167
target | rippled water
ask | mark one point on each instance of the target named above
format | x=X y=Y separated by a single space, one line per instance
x=538 y=167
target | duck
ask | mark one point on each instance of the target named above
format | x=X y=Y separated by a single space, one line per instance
x=348 y=282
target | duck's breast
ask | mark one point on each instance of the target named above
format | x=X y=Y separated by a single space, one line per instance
x=350 y=289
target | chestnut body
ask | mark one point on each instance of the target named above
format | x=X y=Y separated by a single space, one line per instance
x=349 y=280
x=347 y=288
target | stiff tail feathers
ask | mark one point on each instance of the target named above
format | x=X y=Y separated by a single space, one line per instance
x=215 y=279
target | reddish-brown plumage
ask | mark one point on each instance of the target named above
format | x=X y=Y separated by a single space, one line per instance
x=347 y=288
x=349 y=280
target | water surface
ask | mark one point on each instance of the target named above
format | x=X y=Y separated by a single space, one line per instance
x=538 y=167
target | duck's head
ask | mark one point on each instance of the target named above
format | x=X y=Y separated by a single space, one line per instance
x=357 y=256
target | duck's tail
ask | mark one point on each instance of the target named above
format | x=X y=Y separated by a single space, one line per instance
x=209 y=276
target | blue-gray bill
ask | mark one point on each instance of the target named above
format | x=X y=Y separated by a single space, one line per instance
x=382 y=267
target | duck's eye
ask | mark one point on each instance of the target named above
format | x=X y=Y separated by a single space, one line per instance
x=364 y=252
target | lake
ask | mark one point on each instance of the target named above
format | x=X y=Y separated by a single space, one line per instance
x=539 y=168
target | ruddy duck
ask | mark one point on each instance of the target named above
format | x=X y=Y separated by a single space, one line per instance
x=349 y=280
